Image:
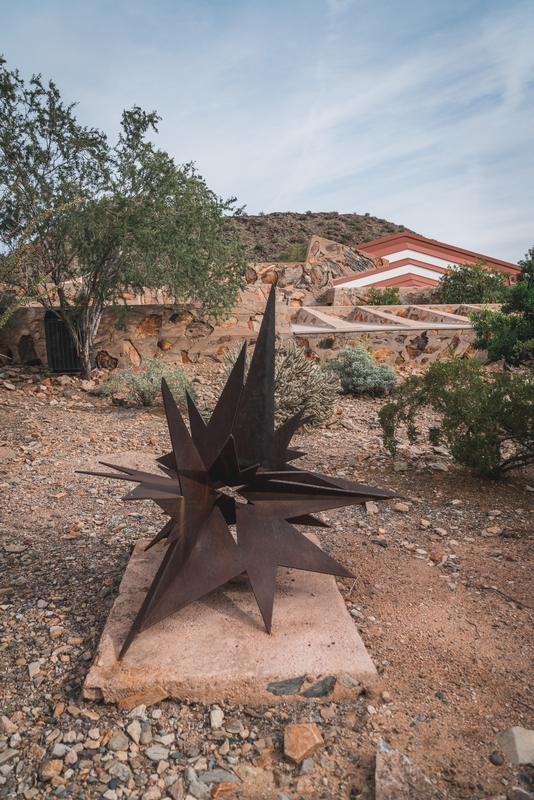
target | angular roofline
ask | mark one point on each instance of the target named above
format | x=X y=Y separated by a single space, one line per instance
x=388 y=244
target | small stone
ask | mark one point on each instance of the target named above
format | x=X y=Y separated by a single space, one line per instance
x=50 y=768
x=216 y=718
x=386 y=697
x=286 y=687
x=371 y=710
x=425 y=523
x=517 y=793
x=347 y=680
x=111 y=794
x=56 y=631
x=34 y=669
x=154 y=793
x=518 y=745
x=176 y=790
x=371 y=508
x=327 y=712
x=7 y=755
x=322 y=688
x=157 y=753
x=59 y=750
x=497 y=758
x=398 y=778
x=8 y=726
x=301 y=741
x=139 y=712
x=234 y=726
x=441 y=531
x=146 y=733
x=87 y=713
x=121 y=771
x=440 y=695
x=134 y=730
x=246 y=772
x=119 y=741
x=224 y=749
x=307 y=766
x=194 y=786
x=400 y=466
x=215 y=776
x=402 y=508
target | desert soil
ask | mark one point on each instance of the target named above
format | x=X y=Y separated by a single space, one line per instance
x=443 y=599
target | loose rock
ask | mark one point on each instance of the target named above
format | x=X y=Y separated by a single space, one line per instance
x=301 y=741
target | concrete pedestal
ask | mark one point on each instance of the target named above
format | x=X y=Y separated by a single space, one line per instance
x=217 y=648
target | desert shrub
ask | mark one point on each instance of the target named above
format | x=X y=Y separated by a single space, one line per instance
x=473 y=283
x=298 y=384
x=295 y=252
x=358 y=372
x=487 y=420
x=509 y=333
x=388 y=296
x=142 y=385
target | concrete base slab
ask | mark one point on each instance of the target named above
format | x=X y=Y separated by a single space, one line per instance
x=217 y=649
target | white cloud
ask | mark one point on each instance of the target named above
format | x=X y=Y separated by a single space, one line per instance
x=420 y=113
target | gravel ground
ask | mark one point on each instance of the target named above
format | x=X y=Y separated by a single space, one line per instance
x=444 y=601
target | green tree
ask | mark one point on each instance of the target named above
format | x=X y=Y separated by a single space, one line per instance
x=472 y=283
x=509 y=333
x=145 y=222
x=486 y=420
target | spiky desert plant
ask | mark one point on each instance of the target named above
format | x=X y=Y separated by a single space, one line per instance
x=298 y=384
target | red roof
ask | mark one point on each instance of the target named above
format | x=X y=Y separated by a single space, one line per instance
x=412 y=241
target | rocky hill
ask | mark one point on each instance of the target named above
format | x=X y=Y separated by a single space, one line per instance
x=283 y=236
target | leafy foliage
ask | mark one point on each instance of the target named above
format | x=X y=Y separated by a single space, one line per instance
x=142 y=385
x=359 y=373
x=473 y=283
x=295 y=252
x=388 y=296
x=509 y=333
x=487 y=421
x=298 y=384
x=145 y=222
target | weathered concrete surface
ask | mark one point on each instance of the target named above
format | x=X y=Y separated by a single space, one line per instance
x=217 y=648
x=398 y=778
x=518 y=744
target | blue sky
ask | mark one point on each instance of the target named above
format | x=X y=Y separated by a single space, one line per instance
x=418 y=112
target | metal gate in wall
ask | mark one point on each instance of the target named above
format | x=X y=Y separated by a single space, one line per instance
x=60 y=349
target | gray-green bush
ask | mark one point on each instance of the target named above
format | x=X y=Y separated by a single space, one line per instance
x=142 y=385
x=359 y=373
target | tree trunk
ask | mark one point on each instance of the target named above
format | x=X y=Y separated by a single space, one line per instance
x=86 y=338
x=85 y=355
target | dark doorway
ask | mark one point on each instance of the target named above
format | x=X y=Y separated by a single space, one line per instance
x=60 y=350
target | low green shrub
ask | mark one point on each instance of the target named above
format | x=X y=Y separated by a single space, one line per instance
x=298 y=384
x=473 y=283
x=487 y=420
x=359 y=373
x=142 y=385
x=295 y=252
x=388 y=296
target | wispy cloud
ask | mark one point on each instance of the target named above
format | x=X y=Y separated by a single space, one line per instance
x=417 y=112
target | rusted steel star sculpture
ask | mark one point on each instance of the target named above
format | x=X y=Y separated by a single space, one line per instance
x=238 y=448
